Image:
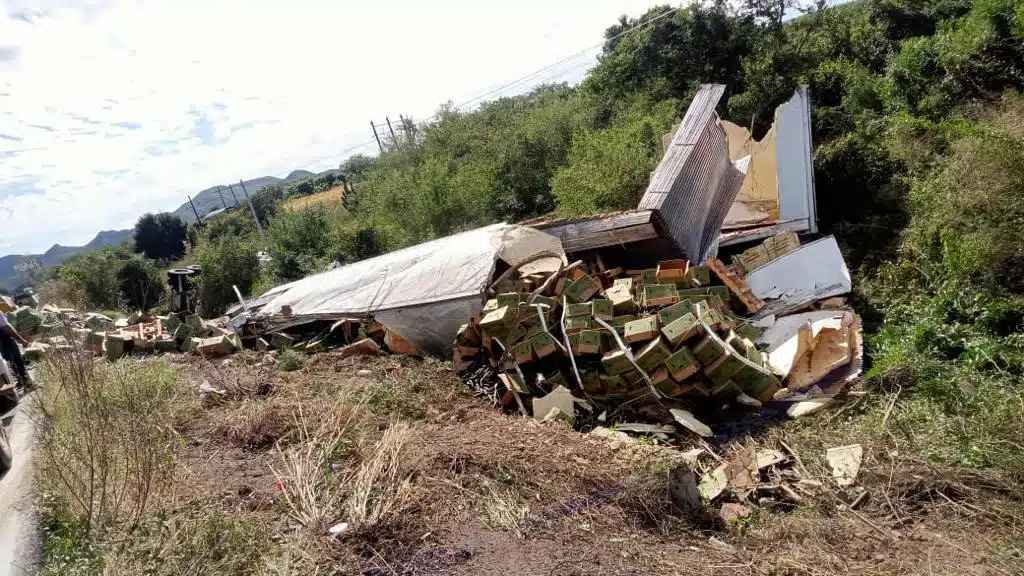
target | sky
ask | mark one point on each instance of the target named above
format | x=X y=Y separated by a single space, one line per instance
x=112 y=109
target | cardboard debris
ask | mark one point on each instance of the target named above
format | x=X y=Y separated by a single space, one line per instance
x=560 y=398
x=845 y=463
x=365 y=347
x=690 y=422
x=808 y=407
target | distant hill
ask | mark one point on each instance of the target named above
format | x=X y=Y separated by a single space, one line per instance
x=210 y=199
x=205 y=202
x=56 y=255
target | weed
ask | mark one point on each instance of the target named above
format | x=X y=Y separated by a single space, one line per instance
x=256 y=424
x=105 y=449
x=305 y=474
x=200 y=540
x=290 y=360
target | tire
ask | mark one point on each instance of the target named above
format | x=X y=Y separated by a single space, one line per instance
x=6 y=454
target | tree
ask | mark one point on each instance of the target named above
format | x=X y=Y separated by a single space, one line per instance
x=357 y=167
x=160 y=237
x=265 y=202
x=95 y=276
x=141 y=283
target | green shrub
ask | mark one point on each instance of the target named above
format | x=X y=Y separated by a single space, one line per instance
x=142 y=285
x=609 y=169
x=301 y=242
x=265 y=202
x=227 y=263
x=236 y=224
x=290 y=360
x=95 y=276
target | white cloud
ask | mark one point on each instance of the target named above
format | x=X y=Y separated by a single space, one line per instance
x=99 y=102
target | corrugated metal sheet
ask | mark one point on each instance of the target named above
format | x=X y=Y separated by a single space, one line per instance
x=695 y=182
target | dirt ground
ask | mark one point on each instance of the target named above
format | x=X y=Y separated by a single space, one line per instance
x=492 y=493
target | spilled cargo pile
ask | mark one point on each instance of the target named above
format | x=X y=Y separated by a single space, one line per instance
x=55 y=328
x=673 y=343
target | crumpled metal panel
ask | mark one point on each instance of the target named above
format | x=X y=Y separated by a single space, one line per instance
x=695 y=183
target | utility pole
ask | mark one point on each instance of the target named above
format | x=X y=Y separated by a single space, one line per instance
x=390 y=129
x=251 y=207
x=375 y=137
x=232 y=190
x=193 y=209
x=221 y=194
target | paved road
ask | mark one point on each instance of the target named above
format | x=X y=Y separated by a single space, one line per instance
x=17 y=531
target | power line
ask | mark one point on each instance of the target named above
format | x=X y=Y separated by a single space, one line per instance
x=501 y=88
x=576 y=55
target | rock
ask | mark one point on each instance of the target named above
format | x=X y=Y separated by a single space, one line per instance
x=364 y=372
x=682 y=488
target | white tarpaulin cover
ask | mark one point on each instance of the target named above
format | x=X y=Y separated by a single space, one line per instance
x=424 y=292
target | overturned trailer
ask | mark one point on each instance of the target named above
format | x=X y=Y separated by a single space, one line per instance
x=422 y=293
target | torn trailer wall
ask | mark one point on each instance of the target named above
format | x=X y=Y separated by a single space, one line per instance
x=715 y=185
x=423 y=292
x=694 y=185
x=778 y=190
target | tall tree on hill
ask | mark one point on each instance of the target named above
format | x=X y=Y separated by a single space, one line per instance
x=356 y=167
x=160 y=237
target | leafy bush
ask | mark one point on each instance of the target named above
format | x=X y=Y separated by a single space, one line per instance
x=95 y=276
x=301 y=242
x=290 y=360
x=226 y=263
x=237 y=224
x=141 y=283
x=609 y=169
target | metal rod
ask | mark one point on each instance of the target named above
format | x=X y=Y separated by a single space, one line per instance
x=251 y=207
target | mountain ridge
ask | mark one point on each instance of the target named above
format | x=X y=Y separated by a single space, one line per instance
x=205 y=202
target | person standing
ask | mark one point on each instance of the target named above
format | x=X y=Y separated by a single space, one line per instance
x=9 y=340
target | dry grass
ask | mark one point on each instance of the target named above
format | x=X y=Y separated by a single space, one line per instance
x=332 y=196
x=380 y=486
x=432 y=481
x=504 y=509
